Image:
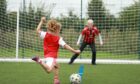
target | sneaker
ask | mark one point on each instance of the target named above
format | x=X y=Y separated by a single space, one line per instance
x=56 y=81
x=70 y=63
x=36 y=58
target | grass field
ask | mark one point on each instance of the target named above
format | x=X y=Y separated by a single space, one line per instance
x=28 y=53
x=31 y=73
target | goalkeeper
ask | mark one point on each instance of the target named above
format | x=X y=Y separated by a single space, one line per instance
x=89 y=33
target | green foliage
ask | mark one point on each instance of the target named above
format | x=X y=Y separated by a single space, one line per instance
x=123 y=31
x=27 y=18
x=12 y=21
x=129 y=17
x=7 y=37
x=3 y=15
x=30 y=17
x=72 y=21
x=101 y=17
x=129 y=20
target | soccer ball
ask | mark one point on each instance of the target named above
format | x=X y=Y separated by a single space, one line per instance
x=75 y=79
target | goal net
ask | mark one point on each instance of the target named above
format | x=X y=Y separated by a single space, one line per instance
x=117 y=20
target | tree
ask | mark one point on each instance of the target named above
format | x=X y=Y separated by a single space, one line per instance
x=129 y=17
x=12 y=21
x=71 y=21
x=41 y=12
x=3 y=15
x=128 y=21
x=27 y=17
x=101 y=17
x=30 y=17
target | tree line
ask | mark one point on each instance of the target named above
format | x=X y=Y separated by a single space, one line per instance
x=128 y=20
x=29 y=17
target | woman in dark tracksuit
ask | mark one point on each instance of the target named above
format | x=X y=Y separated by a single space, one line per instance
x=88 y=33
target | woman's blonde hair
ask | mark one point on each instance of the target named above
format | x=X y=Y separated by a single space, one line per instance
x=53 y=26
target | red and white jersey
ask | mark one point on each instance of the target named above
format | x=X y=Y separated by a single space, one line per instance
x=89 y=34
x=51 y=44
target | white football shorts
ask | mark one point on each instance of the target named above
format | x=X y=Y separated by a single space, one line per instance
x=51 y=62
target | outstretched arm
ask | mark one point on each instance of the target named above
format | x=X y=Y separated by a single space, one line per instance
x=100 y=39
x=79 y=39
x=66 y=46
x=98 y=33
x=42 y=21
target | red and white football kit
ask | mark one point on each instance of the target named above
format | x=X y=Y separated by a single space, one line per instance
x=51 y=47
x=89 y=34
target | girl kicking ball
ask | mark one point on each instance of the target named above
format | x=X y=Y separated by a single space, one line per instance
x=52 y=41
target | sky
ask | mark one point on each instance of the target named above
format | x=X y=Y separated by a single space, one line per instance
x=63 y=6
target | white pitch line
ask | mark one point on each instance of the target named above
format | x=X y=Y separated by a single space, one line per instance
x=86 y=61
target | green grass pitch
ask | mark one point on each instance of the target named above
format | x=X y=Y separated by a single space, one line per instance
x=32 y=73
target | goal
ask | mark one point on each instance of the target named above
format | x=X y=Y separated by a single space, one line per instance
x=118 y=22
